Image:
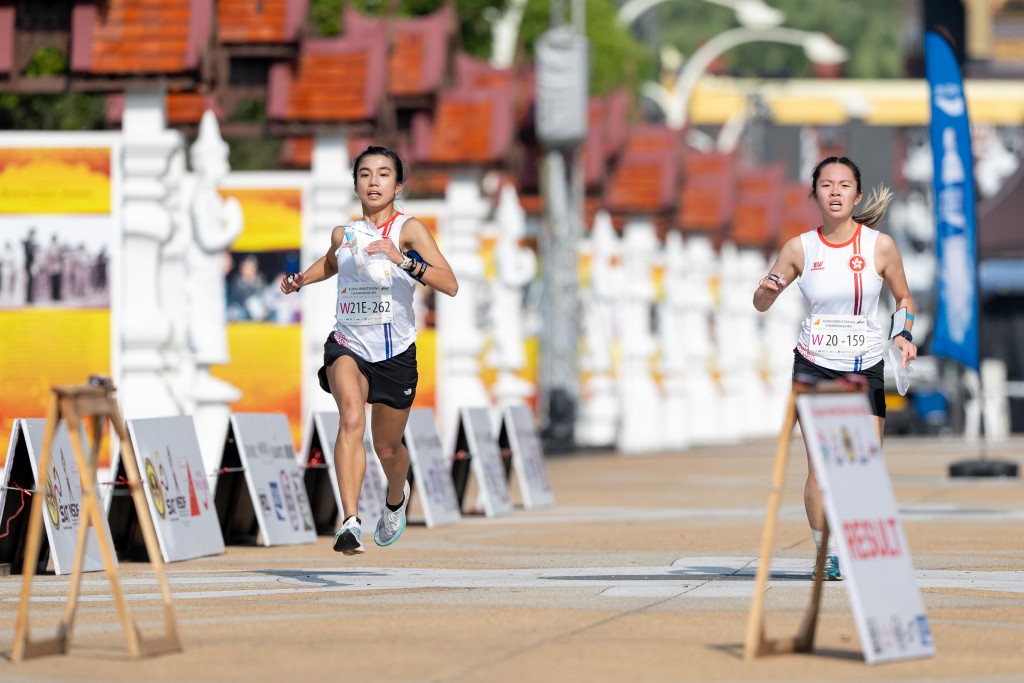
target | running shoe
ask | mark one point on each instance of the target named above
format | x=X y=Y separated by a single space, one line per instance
x=349 y=539
x=392 y=524
x=832 y=572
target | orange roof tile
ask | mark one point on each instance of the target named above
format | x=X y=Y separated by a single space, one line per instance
x=337 y=80
x=758 y=207
x=606 y=132
x=643 y=182
x=469 y=126
x=799 y=212
x=653 y=137
x=183 y=108
x=260 y=21
x=419 y=47
x=707 y=199
x=297 y=152
x=139 y=36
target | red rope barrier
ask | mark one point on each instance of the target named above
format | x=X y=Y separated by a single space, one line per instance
x=15 y=487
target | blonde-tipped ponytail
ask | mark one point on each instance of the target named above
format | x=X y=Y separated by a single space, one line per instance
x=874 y=208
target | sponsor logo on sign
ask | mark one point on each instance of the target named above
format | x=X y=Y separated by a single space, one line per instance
x=154 y=488
x=52 y=496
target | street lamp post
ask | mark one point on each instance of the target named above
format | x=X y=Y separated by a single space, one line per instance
x=675 y=101
x=750 y=13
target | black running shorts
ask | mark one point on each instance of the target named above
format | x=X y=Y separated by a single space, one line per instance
x=392 y=381
x=874 y=376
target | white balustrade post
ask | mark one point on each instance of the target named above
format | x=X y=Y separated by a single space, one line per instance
x=216 y=223
x=332 y=202
x=597 y=425
x=642 y=408
x=671 y=332
x=145 y=328
x=516 y=268
x=178 y=366
x=739 y=343
x=703 y=395
x=460 y=340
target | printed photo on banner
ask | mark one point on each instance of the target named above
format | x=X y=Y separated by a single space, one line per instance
x=254 y=287
x=54 y=262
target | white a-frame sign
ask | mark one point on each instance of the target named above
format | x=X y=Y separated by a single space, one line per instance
x=861 y=512
x=475 y=438
x=519 y=434
x=260 y=486
x=177 y=489
x=431 y=472
x=321 y=477
x=61 y=488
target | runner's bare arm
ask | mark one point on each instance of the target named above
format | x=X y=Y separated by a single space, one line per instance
x=889 y=265
x=323 y=268
x=786 y=269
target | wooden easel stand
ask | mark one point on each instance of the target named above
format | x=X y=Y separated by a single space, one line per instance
x=756 y=645
x=96 y=404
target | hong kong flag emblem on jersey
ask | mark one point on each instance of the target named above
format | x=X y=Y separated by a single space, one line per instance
x=857 y=263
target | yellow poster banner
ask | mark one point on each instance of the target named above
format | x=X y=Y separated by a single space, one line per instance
x=273 y=219
x=43 y=180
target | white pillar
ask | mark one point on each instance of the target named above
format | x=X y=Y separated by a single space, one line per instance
x=460 y=340
x=332 y=201
x=780 y=331
x=671 y=332
x=642 y=408
x=597 y=424
x=178 y=365
x=516 y=268
x=145 y=327
x=216 y=223
x=703 y=395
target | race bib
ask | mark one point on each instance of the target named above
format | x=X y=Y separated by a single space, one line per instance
x=838 y=336
x=364 y=304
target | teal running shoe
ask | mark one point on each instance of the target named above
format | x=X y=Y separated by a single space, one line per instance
x=832 y=572
x=391 y=524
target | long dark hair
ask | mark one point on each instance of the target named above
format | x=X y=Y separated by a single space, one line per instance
x=878 y=201
x=374 y=150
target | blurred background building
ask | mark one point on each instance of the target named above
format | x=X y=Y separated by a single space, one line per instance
x=704 y=120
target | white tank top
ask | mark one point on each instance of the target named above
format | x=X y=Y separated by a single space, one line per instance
x=379 y=341
x=840 y=279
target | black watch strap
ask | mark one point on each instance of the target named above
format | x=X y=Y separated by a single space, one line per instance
x=906 y=335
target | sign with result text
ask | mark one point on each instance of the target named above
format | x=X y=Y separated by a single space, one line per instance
x=861 y=512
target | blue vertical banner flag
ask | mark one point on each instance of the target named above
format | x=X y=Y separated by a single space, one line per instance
x=956 y=317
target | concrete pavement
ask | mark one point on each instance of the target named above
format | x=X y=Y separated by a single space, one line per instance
x=643 y=571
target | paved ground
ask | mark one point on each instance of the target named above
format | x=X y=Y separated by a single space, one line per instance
x=643 y=571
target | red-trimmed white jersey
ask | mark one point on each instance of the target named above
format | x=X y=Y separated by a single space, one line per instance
x=379 y=341
x=840 y=279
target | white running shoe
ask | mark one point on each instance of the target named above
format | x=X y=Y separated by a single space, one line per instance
x=349 y=539
x=392 y=524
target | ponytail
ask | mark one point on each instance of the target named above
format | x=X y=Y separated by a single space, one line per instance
x=874 y=209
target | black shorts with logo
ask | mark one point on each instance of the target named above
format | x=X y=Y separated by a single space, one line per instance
x=873 y=375
x=392 y=381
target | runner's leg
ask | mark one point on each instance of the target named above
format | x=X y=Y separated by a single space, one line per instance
x=388 y=425
x=350 y=389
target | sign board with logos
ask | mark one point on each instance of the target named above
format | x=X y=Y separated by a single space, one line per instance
x=61 y=489
x=519 y=435
x=260 y=486
x=431 y=471
x=176 y=487
x=862 y=514
x=476 y=442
